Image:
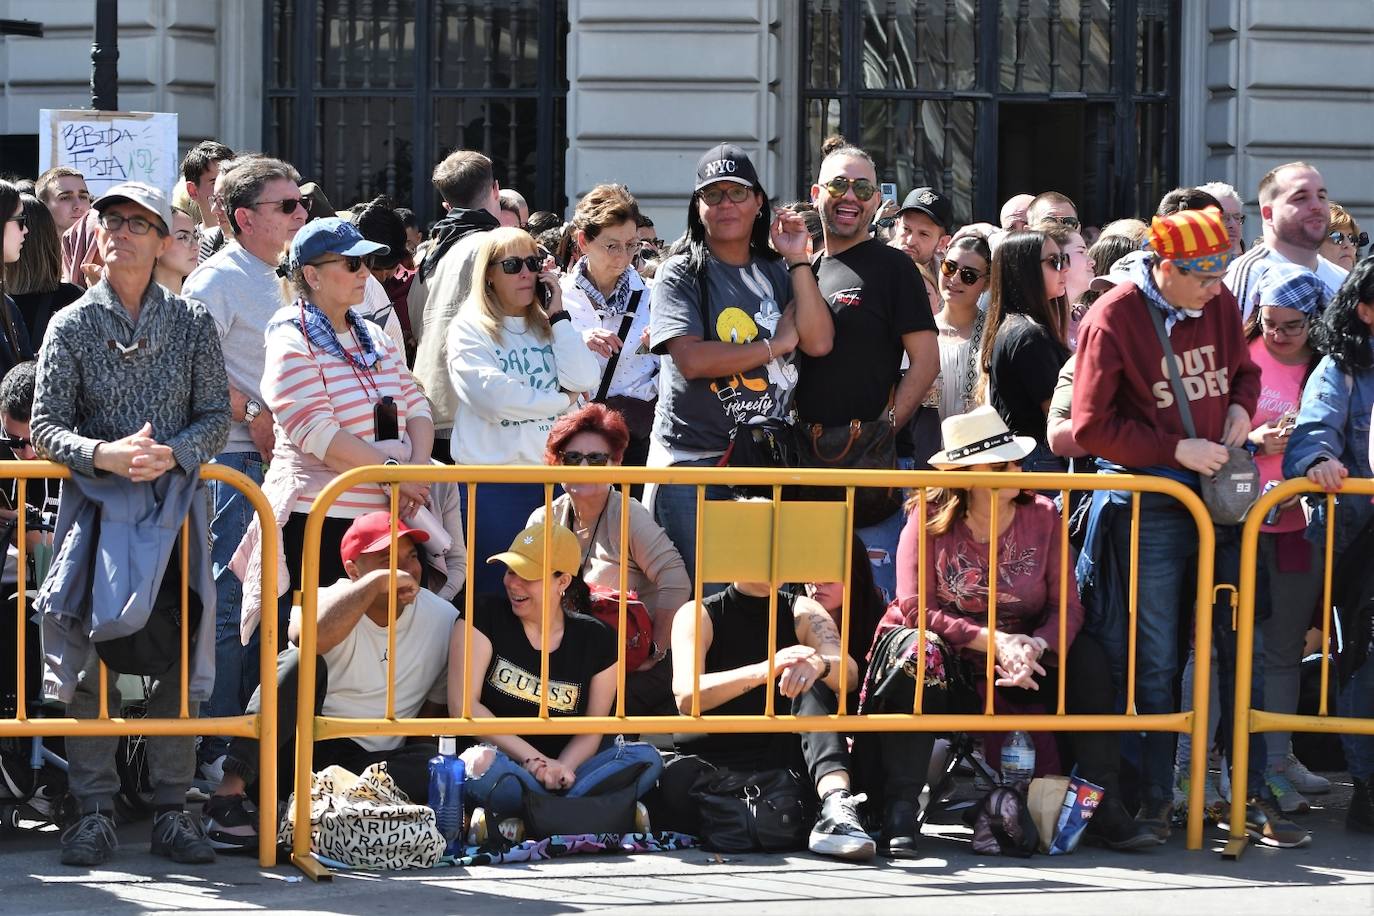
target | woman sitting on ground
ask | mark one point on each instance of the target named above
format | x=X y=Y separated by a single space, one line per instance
x=503 y=676
x=597 y=436
x=957 y=533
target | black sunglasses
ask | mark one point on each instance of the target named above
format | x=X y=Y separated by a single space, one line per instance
x=863 y=188
x=513 y=265
x=15 y=443
x=595 y=459
x=1069 y=221
x=20 y=219
x=967 y=274
x=1359 y=241
x=286 y=204
x=352 y=262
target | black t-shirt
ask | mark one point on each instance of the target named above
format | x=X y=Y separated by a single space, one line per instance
x=875 y=295
x=739 y=637
x=511 y=684
x=1026 y=360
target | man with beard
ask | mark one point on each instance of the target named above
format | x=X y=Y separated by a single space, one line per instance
x=1295 y=212
x=922 y=231
x=880 y=312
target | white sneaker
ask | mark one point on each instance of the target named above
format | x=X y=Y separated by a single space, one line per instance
x=1303 y=779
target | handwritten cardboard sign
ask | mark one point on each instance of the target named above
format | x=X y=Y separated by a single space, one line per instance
x=109 y=147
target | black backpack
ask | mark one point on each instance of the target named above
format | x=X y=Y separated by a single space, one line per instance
x=1003 y=825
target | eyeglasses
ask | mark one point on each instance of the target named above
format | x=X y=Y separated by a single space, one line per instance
x=1287 y=329
x=737 y=193
x=21 y=220
x=1204 y=280
x=113 y=222
x=1343 y=238
x=653 y=243
x=15 y=443
x=968 y=275
x=1237 y=218
x=512 y=265
x=616 y=249
x=286 y=204
x=1058 y=262
x=595 y=459
x=863 y=188
x=1070 y=222
x=189 y=239
x=351 y=262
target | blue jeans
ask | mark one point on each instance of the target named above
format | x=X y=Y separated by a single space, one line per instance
x=236 y=665
x=502 y=511
x=675 y=510
x=502 y=787
x=1357 y=699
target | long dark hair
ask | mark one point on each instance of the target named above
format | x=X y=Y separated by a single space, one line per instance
x=39 y=268
x=10 y=204
x=1018 y=287
x=759 y=246
x=1341 y=334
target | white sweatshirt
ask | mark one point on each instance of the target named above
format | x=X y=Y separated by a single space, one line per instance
x=510 y=392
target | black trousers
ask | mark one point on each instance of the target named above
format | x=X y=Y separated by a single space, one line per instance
x=408 y=764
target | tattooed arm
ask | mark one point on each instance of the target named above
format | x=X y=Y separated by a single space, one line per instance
x=816 y=629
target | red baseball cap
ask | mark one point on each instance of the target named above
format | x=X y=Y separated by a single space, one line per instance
x=372 y=532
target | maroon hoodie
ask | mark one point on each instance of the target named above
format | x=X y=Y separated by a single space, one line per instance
x=1123 y=402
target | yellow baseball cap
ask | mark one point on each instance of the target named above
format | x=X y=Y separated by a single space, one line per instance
x=526 y=554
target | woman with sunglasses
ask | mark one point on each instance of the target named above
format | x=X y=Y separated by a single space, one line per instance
x=597 y=436
x=960 y=322
x=1344 y=239
x=14 y=337
x=341 y=398
x=957 y=529
x=516 y=363
x=605 y=296
x=1024 y=343
x=183 y=256
x=34 y=281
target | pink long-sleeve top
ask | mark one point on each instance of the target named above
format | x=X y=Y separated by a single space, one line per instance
x=956 y=579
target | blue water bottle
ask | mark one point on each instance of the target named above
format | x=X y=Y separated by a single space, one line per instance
x=446 y=773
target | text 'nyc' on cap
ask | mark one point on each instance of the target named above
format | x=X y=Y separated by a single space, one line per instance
x=726 y=162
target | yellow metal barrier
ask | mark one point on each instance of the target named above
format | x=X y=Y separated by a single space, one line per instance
x=1247 y=720
x=262 y=726
x=810 y=554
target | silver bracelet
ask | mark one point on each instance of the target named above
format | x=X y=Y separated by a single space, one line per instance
x=770 y=349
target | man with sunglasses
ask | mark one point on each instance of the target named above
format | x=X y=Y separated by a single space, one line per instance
x=239 y=287
x=880 y=312
x=1296 y=215
x=1126 y=412
x=1053 y=206
x=131 y=395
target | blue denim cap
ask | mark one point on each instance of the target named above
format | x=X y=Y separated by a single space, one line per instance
x=330 y=235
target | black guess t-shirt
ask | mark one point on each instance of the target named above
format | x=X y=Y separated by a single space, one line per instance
x=511 y=684
x=875 y=296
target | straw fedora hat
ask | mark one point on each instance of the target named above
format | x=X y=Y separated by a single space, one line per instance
x=979 y=437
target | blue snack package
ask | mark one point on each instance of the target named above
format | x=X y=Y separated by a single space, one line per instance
x=1080 y=801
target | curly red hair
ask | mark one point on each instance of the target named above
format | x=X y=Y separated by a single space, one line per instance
x=593 y=418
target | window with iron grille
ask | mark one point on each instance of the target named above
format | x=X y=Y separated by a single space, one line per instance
x=366 y=96
x=983 y=99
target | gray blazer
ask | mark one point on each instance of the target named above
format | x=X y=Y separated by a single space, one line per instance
x=114 y=540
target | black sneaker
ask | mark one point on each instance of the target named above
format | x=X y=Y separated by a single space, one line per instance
x=1266 y=825
x=900 y=833
x=1360 y=816
x=90 y=841
x=839 y=832
x=1112 y=826
x=181 y=838
x=230 y=824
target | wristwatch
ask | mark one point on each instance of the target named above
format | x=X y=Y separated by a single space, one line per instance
x=251 y=410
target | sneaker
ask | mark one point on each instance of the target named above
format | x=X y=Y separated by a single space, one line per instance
x=1264 y=822
x=181 y=838
x=1303 y=779
x=1360 y=816
x=512 y=829
x=230 y=824
x=900 y=833
x=839 y=832
x=642 y=824
x=1155 y=817
x=1285 y=793
x=1112 y=826
x=90 y=841
x=209 y=775
x=1213 y=802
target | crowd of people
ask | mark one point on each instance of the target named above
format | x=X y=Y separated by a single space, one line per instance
x=239 y=319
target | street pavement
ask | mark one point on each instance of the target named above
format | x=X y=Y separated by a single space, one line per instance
x=1334 y=875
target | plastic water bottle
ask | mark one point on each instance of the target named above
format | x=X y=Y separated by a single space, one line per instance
x=446 y=773
x=1018 y=760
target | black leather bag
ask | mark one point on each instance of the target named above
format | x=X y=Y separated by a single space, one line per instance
x=610 y=808
x=767 y=811
x=862 y=445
